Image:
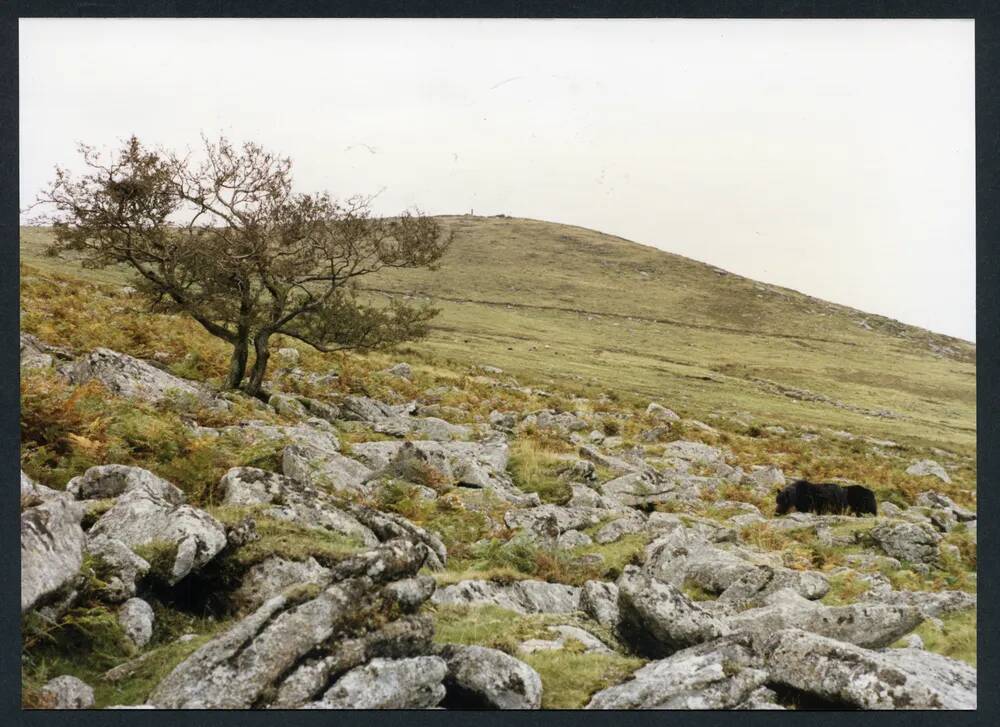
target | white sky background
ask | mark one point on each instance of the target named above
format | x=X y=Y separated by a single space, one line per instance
x=832 y=157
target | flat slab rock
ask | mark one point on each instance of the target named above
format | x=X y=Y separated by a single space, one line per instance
x=134 y=378
x=292 y=500
x=415 y=683
x=520 y=597
x=722 y=674
x=871 y=625
x=848 y=674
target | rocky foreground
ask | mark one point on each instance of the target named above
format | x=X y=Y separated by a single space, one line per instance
x=716 y=619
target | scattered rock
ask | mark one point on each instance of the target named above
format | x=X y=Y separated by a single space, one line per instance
x=270 y=577
x=851 y=675
x=112 y=480
x=520 y=597
x=599 y=600
x=657 y=617
x=928 y=468
x=661 y=413
x=123 y=568
x=403 y=370
x=481 y=678
x=140 y=517
x=871 y=625
x=929 y=604
x=136 y=618
x=722 y=674
x=938 y=501
x=631 y=522
x=414 y=683
x=907 y=541
x=52 y=543
x=133 y=378
x=249 y=663
x=67 y=692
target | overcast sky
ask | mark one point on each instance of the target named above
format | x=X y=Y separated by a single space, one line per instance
x=833 y=157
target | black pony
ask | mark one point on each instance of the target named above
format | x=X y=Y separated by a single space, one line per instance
x=826 y=497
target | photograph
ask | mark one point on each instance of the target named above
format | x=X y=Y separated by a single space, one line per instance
x=497 y=364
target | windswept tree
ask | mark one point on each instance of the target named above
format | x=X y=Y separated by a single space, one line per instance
x=227 y=241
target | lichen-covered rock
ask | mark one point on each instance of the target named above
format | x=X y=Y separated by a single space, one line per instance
x=123 y=568
x=912 y=542
x=930 y=604
x=871 y=625
x=288 y=406
x=657 y=618
x=270 y=577
x=573 y=539
x=67 y=692
x=414 y=683
x=34 y=493
x=111 y=480
x=599 y=600
x=630 y=522
x=520 y=597
x=765 y=478
x=52 y=544
x=34 y=354
x=937 y=501
x=505 y=421
x=469 y=464
x=696 y=452
x=661 y=413
x=388 y=526
x=290 y=499
x=133 y=378
x=868 y=679
x=764 y=580
x=648 y=487
x=683 y=556
x=563 y=518
x=403 y=370
x=324 y=469
x=136 y=618
x=140 y=517
x=307 y=434
x=248 y=664
x=721 y=674
x=928 y=468
x=431 y=428
x=406 y=637
x=484 y=678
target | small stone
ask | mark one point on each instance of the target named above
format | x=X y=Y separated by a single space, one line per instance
x=136 y=618
x=68 y=692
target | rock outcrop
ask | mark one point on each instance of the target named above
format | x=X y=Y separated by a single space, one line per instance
x=52 y=546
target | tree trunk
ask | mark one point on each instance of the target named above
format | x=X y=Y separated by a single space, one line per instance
x=238 y=364
x=259 y=368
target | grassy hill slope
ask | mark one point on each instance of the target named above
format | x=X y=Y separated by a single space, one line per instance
x=590 y=312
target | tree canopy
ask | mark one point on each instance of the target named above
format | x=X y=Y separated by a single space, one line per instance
x=226 y=240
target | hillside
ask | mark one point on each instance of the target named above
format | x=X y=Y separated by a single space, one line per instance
x=566 y=496
x=592 y=312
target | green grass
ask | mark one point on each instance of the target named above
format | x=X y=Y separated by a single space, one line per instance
x=956 y=637
x=570 y=679
x=534 y=469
